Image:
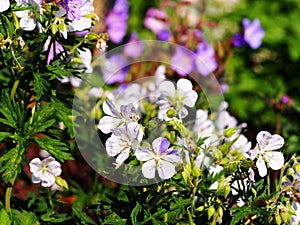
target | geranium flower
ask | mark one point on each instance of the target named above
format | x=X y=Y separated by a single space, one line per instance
x=44 y=171
x=266 y=143
x=252 y=35
x=159 y=156
x=116 y=119
x=116 y=21
x=114 y=69
x=182 y=61
x=178 y=98
x=134 y=48
x=156 y=20
x=123 y=140
x=5 y=5
x=203 y=127
x=205 y=61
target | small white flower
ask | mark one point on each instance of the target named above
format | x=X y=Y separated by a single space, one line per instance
x=170 y=97
x=203 y=126
x=159 y=157
x=44 y=171
x=116 y=119
x=123 y=140
x=242 y=144
x=266 y=143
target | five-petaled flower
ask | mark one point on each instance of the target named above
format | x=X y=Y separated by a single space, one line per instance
x=159 y=156
x=176 y=99
x=266 y=143
x=123 y=140
x=44 y=171
x=116 y=119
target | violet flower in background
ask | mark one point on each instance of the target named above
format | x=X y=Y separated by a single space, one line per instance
x=134 y=48
x=156 y=20
x=164 y=35
x=116 y=21
x=252 y=35
x=114 y=69
x=182 y=61
x=205 y=61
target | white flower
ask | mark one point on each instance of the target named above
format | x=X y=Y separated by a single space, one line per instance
x=170 y=97
x=242 y=144
x=123 y=140
x=5 y=5
x=159 y=157
x=203 y=126
x=153 y=85
x=116 y=119
x=45 y=171
x=265 y=144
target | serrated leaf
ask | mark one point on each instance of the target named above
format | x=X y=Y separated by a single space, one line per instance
x=56 y=148
x=11 y=163
x=4 y=218
x=84 y=218
x=24 y=217
x=41 y=85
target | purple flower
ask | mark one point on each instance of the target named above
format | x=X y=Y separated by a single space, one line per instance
x=164 y=35
x=116 y=21
x=205 y=61
x=182 y=61
x=72 y=8
x=238 y=40
x=114 y=69
x=134 y=48
x=156 y=20
x=55 y=49
x=252 y=35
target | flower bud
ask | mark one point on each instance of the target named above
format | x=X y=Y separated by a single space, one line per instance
x=296 y=167
x=229 y=132
x=211 y=211
x=226 y=191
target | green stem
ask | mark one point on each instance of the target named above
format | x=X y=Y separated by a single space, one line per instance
x=8 y=194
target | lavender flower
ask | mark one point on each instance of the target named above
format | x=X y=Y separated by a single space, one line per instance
x=114 y=69
x=252 y=35
x=164 y=35
x=205 y=61
x=116 y=21
x=134 y=48
x=156 y=20
x=55 y=48
x=182 y=61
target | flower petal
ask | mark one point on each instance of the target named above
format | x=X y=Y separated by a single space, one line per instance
x=35 y=179
x=113 y=145
x=123 y=156
x=165 y=169
x=110 y=109
x=148 y=169
x=191 y=98
x=261 y=166
x=184 y=86
x=35 y=165
x=107 y=123
x=144 y=154
x=55 y=168
x=167 y=88
x=47 y=179
x=164 y=145
x=275 y=160
x=275 y=142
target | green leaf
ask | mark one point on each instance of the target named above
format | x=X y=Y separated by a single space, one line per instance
x=84 y=218
x=134 y=213
x=7 y=109
x=64 y=113
x=41 y=85
x=11 y=162
x=4 y=135
x=43 y=119
x=4 y=218
x=24 y=218
x=55 y=147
